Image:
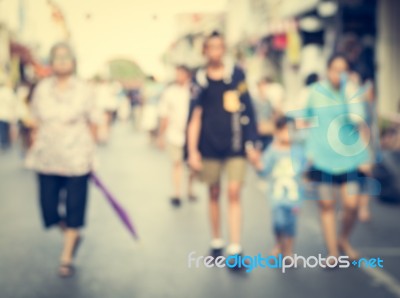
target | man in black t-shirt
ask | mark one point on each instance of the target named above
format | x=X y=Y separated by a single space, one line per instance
x=222 y=132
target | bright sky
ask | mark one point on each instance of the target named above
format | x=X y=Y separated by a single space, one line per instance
x=127 y=28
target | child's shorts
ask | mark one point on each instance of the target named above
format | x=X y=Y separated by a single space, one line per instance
x=284 y=220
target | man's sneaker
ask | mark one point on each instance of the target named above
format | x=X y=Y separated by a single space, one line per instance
x=176 y=202
x=235 y=255
x=217 y=247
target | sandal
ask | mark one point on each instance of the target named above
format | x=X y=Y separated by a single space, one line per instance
x=176 y=202
x=66 y=270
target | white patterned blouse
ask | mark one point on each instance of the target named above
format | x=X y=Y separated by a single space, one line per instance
x=64 y=144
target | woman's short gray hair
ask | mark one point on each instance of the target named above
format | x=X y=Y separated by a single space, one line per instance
x=63 y=45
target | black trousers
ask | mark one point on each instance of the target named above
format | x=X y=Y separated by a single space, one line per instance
x=4 y=135
x=70 y=190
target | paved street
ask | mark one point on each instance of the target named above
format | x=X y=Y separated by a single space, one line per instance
x=112 y=265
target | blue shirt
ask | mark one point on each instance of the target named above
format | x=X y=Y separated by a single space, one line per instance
x=333 y=143
x=284 y=169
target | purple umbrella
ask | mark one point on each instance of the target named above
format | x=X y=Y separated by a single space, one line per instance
x=121 y=212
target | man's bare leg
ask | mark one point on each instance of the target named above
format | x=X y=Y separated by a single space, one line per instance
x=235 y=216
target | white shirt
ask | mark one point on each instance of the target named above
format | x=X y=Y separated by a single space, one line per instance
x=106 y=97
x=276 y=95
x=174 y=105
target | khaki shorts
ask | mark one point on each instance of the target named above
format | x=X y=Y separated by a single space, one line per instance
x=175 y=152
x=234 y=167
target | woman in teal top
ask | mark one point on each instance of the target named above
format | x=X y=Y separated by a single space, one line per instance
x=336 y=150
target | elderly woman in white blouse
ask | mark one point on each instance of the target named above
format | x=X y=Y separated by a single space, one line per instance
x=63 y=149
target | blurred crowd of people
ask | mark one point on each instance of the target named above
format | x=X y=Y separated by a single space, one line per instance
x=207 y=119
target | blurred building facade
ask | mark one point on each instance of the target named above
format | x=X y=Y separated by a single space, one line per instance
x=28 y=28
x=284 y=39
x=289 y=40
x=388 y=63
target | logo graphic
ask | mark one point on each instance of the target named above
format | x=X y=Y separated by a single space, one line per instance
x=279 y=262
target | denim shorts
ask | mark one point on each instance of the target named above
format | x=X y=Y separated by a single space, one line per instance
x=284 y=220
